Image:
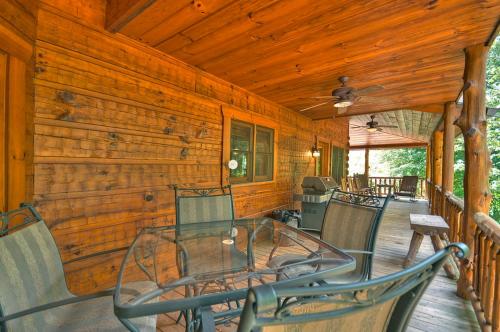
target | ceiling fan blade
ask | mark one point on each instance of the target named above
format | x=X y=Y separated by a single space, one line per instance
x=369 y=89
x=314 y=106
x=379 y=129
x=384 y=126
x=373 y=99
x=341 y=110
x=356 y=126
x=320 y=97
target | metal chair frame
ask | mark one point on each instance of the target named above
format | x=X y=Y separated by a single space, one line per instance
x=267 y=305
x=378 y=202
x=31 y=216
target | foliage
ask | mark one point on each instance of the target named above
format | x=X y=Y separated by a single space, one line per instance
x=409 y=161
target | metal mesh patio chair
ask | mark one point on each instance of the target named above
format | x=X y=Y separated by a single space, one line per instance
x=202 y=205
x=33 y=291
x=197 y=205
x=408 y=187
x=382 y=304
x=351 y=223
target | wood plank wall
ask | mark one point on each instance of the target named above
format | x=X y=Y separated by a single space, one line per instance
x=111 y=119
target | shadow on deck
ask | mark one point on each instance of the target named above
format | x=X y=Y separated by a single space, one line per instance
x=440 y=309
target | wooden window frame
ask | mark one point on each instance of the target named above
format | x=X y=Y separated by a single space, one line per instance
x=232 y=114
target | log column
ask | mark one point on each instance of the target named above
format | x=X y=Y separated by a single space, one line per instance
x=367 y=162
x=449 y=117
x=437 y=168
x=472 y=122
x=428 y=170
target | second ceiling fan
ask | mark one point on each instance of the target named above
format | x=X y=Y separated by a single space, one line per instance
x=344 y=96
x=372 y=126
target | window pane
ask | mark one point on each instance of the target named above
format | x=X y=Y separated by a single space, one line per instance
x=264 y=154
x=264 y=140
x=241 y=151
x=244 y=163
x=264 y=166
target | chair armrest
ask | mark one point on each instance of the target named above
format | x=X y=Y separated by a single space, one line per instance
x=310 y=230
x=56 y=304
x=353 y=251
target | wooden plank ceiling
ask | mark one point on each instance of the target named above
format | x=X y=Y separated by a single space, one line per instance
x=413 y=128
x=287 y=50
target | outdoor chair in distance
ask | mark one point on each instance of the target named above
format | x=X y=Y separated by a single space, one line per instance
x=362 y=185
x=378 y=305
x=33 y=291
x=408 y=187
x=351 y=223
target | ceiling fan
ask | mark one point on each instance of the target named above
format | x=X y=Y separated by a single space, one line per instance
x=345 y=96
x=372 y=126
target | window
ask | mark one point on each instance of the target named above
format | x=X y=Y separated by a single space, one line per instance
x=252 y=146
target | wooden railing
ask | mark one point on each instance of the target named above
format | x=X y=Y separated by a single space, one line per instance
x=483 y=284
x=384 y=184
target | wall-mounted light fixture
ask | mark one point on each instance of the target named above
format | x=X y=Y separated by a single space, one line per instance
x=315 y=151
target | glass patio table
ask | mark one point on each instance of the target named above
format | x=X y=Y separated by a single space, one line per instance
x=202 y=271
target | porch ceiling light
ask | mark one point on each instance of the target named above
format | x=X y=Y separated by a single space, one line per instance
x=371 y=129
x=315 y=152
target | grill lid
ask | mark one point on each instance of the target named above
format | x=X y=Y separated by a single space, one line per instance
x=318 y=184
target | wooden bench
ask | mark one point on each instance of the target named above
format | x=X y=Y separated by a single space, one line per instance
x=435 y=227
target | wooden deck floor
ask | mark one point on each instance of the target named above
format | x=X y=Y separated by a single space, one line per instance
x=439 y=309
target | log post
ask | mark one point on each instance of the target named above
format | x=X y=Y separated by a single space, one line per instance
x=428 y=169
x=437 y=170
x=449 y=117
x=438 y=157
x=431 y=173
x=367 y=162
x=472 y=122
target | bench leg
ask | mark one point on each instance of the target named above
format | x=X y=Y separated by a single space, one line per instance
x=449 y=265
x=416 y=241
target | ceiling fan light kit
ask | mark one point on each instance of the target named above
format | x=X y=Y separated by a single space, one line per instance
x=371 y=129
x=343 y=103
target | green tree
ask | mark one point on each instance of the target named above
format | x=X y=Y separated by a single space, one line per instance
x=408 y=161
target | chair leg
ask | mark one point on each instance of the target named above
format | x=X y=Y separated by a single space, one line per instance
x=416 y=241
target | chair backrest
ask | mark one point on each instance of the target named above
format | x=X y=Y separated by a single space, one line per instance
x=31 y=272
x=378 y=305
x=197 y=205
x=409 y=183
x=352 y=221
x=361 y=181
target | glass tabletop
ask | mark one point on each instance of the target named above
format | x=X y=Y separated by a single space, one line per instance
x=176 y=268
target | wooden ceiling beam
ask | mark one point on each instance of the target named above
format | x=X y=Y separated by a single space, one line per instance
x=388 y=146
x=120 y=12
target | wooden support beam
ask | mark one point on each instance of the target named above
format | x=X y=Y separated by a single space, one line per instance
x=367 y=162
x=438 y=158
x=472 y=122
x=389 y=146
x=449 y=117
x=428 y=169
x=121 y=12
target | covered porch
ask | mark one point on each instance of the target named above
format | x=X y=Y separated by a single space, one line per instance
x=109 y=106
